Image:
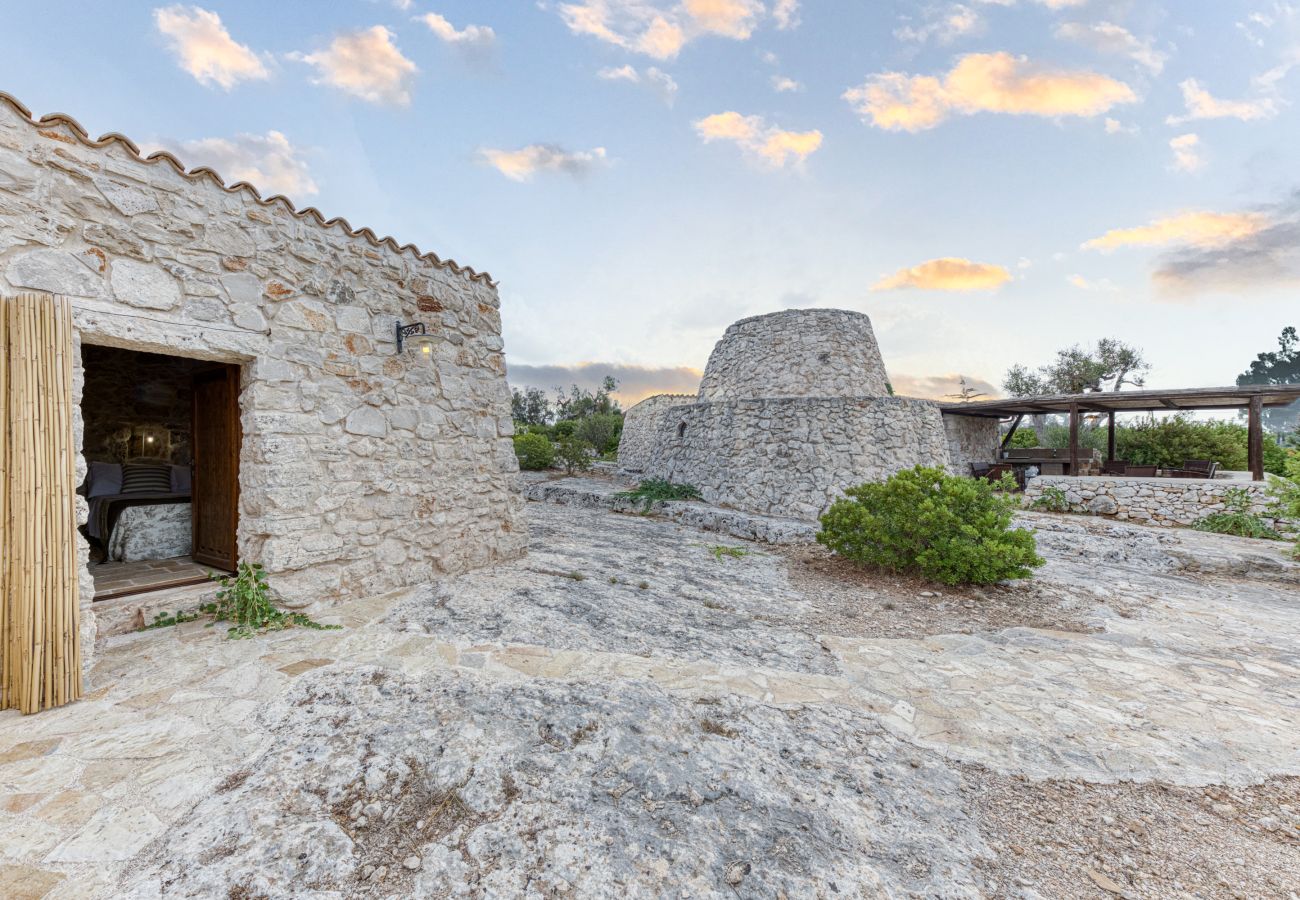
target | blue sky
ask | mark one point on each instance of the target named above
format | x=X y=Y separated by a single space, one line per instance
x=989 y=180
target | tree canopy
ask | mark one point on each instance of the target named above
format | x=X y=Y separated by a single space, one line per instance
x=1280 y=366
x=1107 y=367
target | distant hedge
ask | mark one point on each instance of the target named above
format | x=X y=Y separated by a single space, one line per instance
x=1166 y=442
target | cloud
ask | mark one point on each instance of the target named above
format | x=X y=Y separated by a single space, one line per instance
x=1115 y=126
x=943 y=25
x=782 y=85
x=946 y=274
x=524 y=163
x=660 y=28
x=940 y=387
x=1187 y=157
x=1205 y=230
x=473 y=40
x=984 y=82
x=1202 y=105
x=766 y=143
x=269 y=162
x=1101 y=285
x=786 y=14
x=660 y=82
x=365 y=64
x=1107 y=37
x=205 y=48
x=635 y=383
x=1267 y=258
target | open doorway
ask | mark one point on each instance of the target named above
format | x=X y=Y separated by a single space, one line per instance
x=162 y=450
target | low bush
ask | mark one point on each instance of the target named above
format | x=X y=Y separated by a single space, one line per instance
x=652 y=490
x=1052 y=499
x=535 y=452
x=564 y=428
x=245 y=601
x=1236 y=518
x=946 y=528
x=574 y=454
x=1286 y=493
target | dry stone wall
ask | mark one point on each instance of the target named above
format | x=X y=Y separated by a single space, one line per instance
x=796 y=353
x=971 y=439
x=793 y=456
x=641 y=426
x=361 y=470
x=1166 y=502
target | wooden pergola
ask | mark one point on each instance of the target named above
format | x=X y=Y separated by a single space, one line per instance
x=1253 y=398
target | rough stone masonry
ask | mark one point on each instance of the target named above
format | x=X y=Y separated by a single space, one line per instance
x=361 y=470
x=795 y=406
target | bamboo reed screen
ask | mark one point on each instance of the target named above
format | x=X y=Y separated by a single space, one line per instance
x=40 y=651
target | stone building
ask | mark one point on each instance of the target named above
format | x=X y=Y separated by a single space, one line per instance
x=794 y=407
x=355 y=468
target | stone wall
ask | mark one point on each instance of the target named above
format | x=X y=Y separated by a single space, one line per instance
x=126 y=391
x=793 y=456
x=796 y=353
x=971 y=439
x=1166 y=502
x=641 y=426
x=361 y=471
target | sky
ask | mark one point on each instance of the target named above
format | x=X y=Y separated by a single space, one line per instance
x=989 y=180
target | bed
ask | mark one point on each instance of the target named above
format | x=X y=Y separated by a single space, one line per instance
x=139 y=510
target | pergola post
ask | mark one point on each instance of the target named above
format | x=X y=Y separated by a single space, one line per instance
x=1255 y=438
x=1110 y=436
x=1074 y=437
x=1011 y=432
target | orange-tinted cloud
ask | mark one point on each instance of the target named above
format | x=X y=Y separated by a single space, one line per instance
x=941 y=387
x=365 y=64
x=635 y=383
x=984 y=82
x=769 y=144
x=946 y=274
x=1196 y=229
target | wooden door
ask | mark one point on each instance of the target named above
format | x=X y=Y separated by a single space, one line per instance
x=215 y=441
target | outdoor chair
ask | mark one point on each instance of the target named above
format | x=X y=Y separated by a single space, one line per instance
x=1203 y=468
x=1140 y=471
x=1116 y=467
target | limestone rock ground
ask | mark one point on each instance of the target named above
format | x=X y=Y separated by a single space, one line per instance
x=627 y=712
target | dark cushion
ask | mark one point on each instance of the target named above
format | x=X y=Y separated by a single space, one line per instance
x=180 y=479
x=137 y=479
x=104 y=479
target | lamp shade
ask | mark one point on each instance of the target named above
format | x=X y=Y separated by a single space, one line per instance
x=422 y=346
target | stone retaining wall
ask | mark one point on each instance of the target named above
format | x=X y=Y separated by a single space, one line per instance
x=361 y=470
x=793 y=456
x=1167 y=502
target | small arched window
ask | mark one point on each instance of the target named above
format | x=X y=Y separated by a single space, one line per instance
x=681 y=430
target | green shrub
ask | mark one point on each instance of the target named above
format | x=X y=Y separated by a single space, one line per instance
x=534 y=451
x=947 y=528
x=652 y=490
x=574 y=454
x=1052 y=499
x=1237 y=518
x=564 y=428
x=602 y=431
x=245 y=601
x=1165 y=442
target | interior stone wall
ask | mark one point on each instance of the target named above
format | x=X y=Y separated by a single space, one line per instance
x=361 y=471
x=971 y=439
x=793 y=456
x=125 y=391
x=796 y=353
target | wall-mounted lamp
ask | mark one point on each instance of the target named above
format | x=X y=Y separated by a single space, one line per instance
x=415 y=336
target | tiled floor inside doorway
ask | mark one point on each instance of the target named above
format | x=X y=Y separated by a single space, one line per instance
x=122 y=579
